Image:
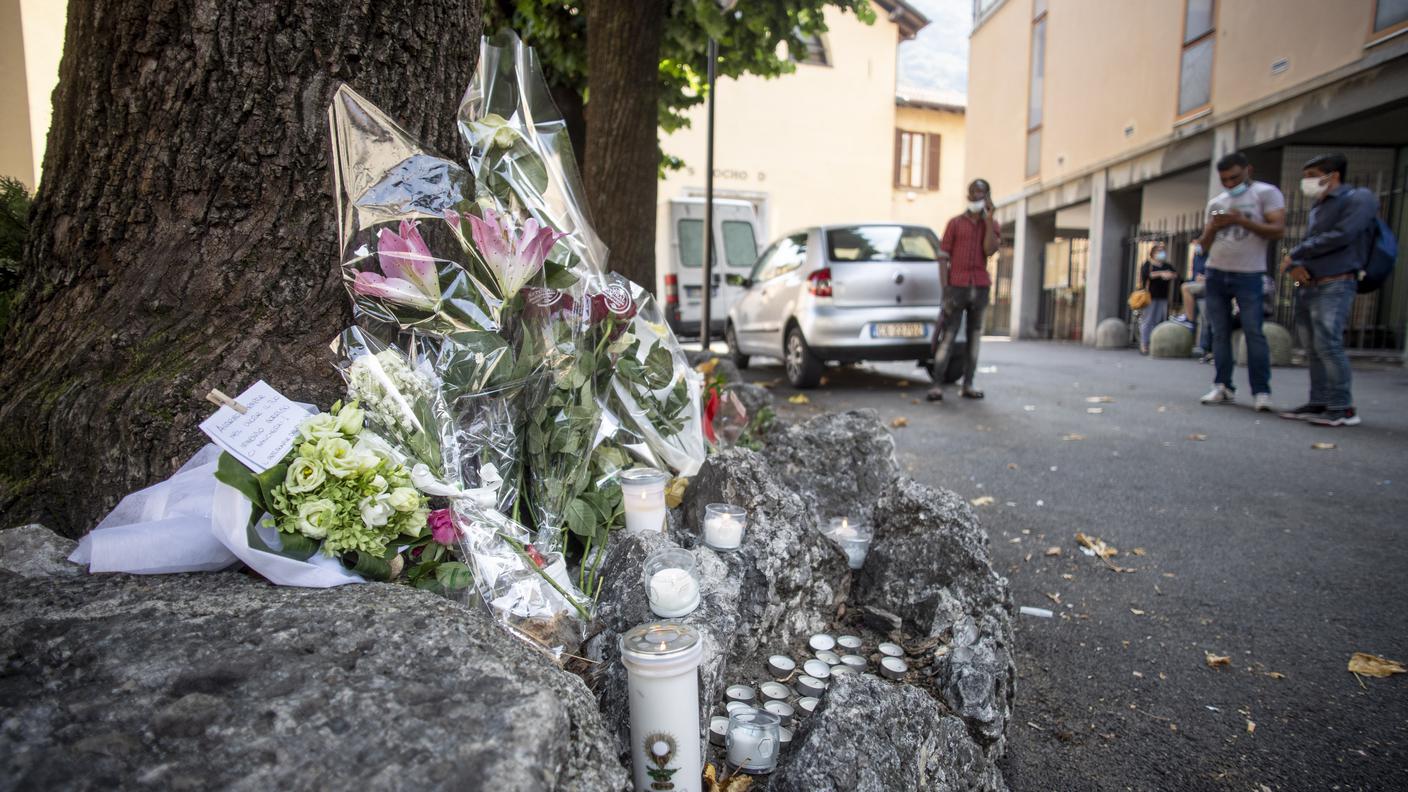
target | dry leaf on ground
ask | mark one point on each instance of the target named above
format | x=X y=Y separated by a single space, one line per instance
x=1375 y=666
x=738 y=782
x=674 y=492
x=1095 y=410
x=1139 y=551
x=1322 y=446
x=900 y=422
x=983 y=500
x=1199 y=436
x=1012 y=466
x=1136 y=611
x=1275 y=674
x=1073 y=436
x=1053 y=551
x=800 y=398
x=1055 y=597
x=1214 y=661
x=902 y=384
x=1099 y=399
x=1095 y=545
x=707 y=367
x=1163 y=408
x=1251 y=726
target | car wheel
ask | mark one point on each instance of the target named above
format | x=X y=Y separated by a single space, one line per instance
x=739 y=359
x=955 y=365
x=803 y=369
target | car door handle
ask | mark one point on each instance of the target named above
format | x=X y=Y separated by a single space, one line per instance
x=899 y=278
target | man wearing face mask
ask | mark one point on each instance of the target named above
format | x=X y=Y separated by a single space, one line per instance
x=1241 y=221
x=1325 y=267
x=969 y=239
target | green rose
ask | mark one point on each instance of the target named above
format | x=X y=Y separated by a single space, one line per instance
x=414 y=523
x=349 y=419
x=378 y=484
x=319 y=427
x=315 y=517
x=304 y=475
x=404 y=499
x=336 y=455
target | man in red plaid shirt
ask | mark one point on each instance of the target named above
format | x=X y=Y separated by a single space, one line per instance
x=969 y=239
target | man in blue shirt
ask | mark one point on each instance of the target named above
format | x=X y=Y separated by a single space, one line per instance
x=1325 y=267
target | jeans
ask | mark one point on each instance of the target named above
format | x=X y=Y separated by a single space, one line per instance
x=1153 y=314
x=1246 y=288
x=1205 y=327
x=958 y=301
x=1321 y=315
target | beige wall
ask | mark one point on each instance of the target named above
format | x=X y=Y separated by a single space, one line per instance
x=1111 y=66
x=16 y=154
x=31 y=44
x=933 y=207
x=44 y=22
x=817 y=143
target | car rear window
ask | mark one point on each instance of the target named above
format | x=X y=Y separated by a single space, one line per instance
x=882 y=243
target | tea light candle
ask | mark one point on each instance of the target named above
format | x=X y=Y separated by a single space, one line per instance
x=821 y=642
x=741 y=693
x=807 y=704
x=893 y=667
x=782 y=710
x=817 y=668
x=643 y=497
x=724 y=526
x=810 y=686
x=781 y=665
x=850 y=643
x=718 y=730
x=672 y=582
x=753 y=741
x=775 y=691
x=891 y=650
x=854 y=661
x=735 y=706
x=830 y=658
x=854 y=539
x=784 y=736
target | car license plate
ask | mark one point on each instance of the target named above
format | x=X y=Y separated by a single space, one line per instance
x=898 y=330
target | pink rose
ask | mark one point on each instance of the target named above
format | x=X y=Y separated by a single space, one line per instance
x=442 y=527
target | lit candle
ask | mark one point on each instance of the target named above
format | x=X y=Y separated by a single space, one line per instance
x=893 y=667
x=662 y=665
x=854 y=539
x=754 y=741
x=672 y=582
x=821 y=642
x=781 y=666
x=890 y=650
x=724 y=526
x=643 y=497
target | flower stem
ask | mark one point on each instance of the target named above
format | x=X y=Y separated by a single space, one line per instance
x=542 y=573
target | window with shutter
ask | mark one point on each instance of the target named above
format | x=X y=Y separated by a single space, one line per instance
x=931 y=171
x=912 y=154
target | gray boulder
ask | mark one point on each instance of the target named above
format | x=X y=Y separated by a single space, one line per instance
x=871 y=735
x=224 y=681
x=842 y=461
x=36 y=551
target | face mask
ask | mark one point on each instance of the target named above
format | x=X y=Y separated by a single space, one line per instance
x=1239 y=189
x=977 y=206
x=1160 y=256
x=1311 y=187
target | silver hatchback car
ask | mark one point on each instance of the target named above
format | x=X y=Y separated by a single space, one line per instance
x=841 y=293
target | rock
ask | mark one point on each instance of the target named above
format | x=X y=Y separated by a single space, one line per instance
x=930 y=565
x=843 y=461
x=881 y=620
x=871 y=735
x=223 y=681
x=1112 y=333
x=1170 y=340
x=36 y=551
x=1278 y=339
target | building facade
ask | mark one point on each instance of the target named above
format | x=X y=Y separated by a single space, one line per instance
x=830 y=143
x=1098 y=124
x=31 y=42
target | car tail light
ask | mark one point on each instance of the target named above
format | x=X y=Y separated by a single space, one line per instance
x=819 y=283
x=672 y=289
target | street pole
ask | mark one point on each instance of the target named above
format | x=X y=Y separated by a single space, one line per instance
x=705 y=319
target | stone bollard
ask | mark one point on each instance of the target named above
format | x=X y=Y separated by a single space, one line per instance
x=1171 y=340
x=1278 y=339
x=1112 y=333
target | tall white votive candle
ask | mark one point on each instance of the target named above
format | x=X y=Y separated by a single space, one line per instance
x=662 y=662
x=643 y=498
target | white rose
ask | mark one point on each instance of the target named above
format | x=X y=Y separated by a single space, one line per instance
x=404 y=499
x=375 y=511
x=315 y=517
x=338 y=458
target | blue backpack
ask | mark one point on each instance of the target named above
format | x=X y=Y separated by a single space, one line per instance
x=1383 y=252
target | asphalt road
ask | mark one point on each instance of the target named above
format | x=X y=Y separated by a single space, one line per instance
x=1251 y=544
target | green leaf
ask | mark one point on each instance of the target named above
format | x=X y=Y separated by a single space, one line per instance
x=296 y=545
x=367 y=565
x=659 y=368
x=453 y=575
x=580 y=517
x=232 y=472
x=557 y=276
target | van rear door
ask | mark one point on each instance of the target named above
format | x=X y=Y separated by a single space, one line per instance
x=883 y=265
x=735 y=253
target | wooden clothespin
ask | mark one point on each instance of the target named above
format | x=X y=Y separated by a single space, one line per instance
x=217 y=397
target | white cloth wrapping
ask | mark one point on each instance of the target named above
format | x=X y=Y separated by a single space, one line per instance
x=193 y=523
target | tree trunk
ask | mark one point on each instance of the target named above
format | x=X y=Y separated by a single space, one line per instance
x=622 y=173
x=184 y=236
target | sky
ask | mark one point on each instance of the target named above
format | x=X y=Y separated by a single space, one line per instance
x=934 y=64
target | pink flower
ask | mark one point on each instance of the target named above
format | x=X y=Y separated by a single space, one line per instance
x=442 y=527
x=515 y=257
x=410 y=277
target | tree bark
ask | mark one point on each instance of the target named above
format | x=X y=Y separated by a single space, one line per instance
x=184 y=235
x=622 y=169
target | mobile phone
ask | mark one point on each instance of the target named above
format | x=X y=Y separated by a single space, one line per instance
x=1217 y=212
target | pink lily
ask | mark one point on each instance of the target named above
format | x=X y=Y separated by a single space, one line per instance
x=410 y=275
x=515 y=257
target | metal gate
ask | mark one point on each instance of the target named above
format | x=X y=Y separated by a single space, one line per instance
x=1065 y=262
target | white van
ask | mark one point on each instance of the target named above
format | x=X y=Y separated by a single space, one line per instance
x=679 y=271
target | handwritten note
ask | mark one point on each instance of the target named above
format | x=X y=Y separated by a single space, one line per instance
x=263 y=435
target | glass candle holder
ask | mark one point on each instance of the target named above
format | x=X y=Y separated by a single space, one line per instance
x=754 y=740
x=662 y=663
x=724 y=526
x=643 y=497
x=854 y=539
x=672 y=582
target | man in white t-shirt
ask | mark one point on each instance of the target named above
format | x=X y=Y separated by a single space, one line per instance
x=1242 y=220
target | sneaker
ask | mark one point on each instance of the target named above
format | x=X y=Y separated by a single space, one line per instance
x=1262 y=402
x=1220 y=394
x=1304 y=412
x=1345 y=417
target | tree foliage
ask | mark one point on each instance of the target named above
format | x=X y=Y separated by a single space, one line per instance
x=750 y=39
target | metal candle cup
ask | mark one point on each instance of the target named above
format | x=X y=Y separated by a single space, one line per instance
x=662 y=666
x=782 y=710
x=784 y=736
x=817 y=668
x=643 y=498
x=775 y=691
x=734 y=706
x=821 y=642
x=724 y=526
x=718 y=730
x=753 y=741
x=830 y=658
x=849 y=643
x=854 y=661
x=781 y=666
x=891 y=650
x=808 y=704
x=810 y=686
x=842 y=670
x=893 y=667
x=743 y=693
